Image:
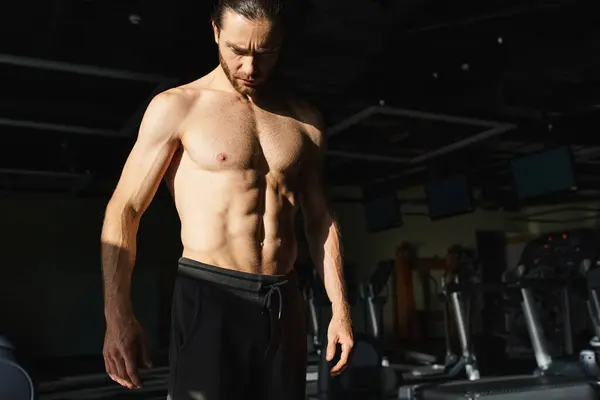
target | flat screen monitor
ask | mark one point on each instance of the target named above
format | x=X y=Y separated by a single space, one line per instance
x=547 y=172
x=382 y=212
x=449 y=197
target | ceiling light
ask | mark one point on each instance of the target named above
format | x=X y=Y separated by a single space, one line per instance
x=135 y=19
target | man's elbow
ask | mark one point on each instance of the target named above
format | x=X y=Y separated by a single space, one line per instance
x=122 y=211
x=318 y=224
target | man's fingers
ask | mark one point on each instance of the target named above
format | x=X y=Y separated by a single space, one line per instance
x=337 y=369
x=131 y=370
x=120 y=381
x=124 y=383
x=108 y=365
x=120 y=372
x=343 y=362
x=331 y=347
x=111 y=368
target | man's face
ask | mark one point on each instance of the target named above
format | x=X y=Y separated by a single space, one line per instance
x=248 y=51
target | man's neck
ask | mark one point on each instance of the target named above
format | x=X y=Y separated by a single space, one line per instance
x=220 y=81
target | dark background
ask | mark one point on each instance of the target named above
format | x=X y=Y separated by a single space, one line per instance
x=532 y=63
x=76 y=75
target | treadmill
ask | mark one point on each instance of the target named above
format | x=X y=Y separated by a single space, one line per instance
x=551 y=381
x=457 y=290
x=455 y=294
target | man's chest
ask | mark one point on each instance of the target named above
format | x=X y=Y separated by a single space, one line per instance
x=221 y=139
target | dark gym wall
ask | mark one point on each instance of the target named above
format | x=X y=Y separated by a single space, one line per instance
x=51 y=286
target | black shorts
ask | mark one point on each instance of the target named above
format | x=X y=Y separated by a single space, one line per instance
x=236 y=335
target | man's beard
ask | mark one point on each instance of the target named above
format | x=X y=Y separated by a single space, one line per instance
x=241 y=89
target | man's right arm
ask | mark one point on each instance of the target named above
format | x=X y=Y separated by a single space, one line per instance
x=143 y=171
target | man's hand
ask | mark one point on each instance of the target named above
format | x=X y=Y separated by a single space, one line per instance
x=339 y=332
x=125 y=348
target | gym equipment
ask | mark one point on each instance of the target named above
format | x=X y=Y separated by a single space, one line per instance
x=510 y=388
x=589 y=357
x=313 y=320
x=426 y=368
x=308 y=292
x=552 y=379
x=369 y=374
x=308 y=277
x=365 y=377
x=554 y=260
x=369 y=293
x=15 y=382
x=544 y=385
x=364 y=374
x=457 y=289
x=460 y=292
x=101 y=387
x=575 y=259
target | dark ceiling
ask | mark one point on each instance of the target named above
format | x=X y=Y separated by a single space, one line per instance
x=450 y=86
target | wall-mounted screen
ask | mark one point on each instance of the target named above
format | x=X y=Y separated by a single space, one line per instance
x=449 y=197
x=543 y=173
x=382 y=212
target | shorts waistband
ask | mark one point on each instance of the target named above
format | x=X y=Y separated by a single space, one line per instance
x=231 y=278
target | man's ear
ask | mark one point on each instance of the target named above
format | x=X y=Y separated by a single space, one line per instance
x=216 y=32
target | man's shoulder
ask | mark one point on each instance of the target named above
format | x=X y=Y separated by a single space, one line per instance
x=180 y=96
x=166 y=111
x=308 y=115
x=171 y=102
x=179 y=100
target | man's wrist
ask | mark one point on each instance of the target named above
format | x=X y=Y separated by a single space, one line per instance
x=116 y=311
x=341 y=309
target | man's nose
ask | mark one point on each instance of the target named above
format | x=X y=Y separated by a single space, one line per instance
x=249 y=66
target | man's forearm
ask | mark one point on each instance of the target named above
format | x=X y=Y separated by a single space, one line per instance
x=118 y=257
x=325 y=248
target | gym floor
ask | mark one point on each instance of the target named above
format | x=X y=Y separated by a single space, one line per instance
x=83 y=378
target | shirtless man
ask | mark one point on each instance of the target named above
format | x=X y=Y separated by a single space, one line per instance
x=240 y=160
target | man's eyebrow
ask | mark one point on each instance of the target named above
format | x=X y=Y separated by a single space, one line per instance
x=245 y=50
x=234 y=46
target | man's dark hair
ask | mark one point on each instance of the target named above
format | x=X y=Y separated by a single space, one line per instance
x=271 y=10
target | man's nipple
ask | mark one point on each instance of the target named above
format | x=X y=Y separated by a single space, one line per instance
x=221 y=157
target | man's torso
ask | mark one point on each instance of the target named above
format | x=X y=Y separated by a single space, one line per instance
x=236 y=181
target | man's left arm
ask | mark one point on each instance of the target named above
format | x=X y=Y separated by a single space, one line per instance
x=323 y=237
